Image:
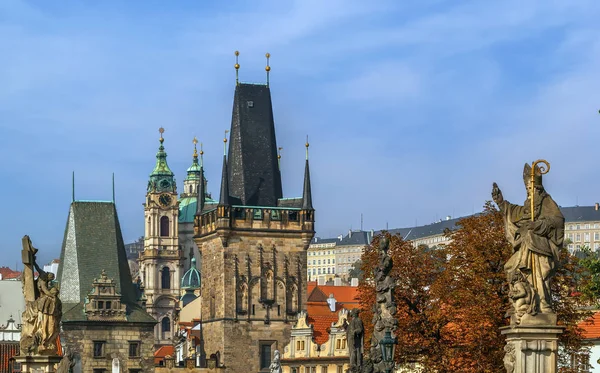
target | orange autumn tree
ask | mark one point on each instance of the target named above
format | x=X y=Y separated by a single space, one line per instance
x=452 y=301
x=415 y=270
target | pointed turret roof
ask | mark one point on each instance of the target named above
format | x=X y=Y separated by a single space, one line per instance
x=307 y=193
x=161 y=168
x=254 y=176
x=200 y=198
x=161 y=178
x=193 y=172
x=224 y=197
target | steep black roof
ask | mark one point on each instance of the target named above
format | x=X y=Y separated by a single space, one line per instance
x=93 y=242
x=254 y=176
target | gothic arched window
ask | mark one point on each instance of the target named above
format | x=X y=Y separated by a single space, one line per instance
x=164 y=226
x=165 y=279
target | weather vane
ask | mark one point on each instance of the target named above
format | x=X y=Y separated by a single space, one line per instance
x=268 y=68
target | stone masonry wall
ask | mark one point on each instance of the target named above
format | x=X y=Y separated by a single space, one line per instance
x=237 y=337
x=80 y=339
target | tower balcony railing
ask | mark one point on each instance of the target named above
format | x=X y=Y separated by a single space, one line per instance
x=253 y=217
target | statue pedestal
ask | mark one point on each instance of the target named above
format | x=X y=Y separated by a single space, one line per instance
x=38 y=364
x=531 y=348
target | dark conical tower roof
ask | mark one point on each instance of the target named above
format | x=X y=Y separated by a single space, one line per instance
x=307 y=193
x=224 y=197
x=254 y=176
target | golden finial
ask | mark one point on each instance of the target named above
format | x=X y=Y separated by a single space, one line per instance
x=237 y=67
x=161 y=130
x=268 y=68
x=225 y=142
x=307 y=145
x=201 y=156
x=195 y=141
x=279 y=156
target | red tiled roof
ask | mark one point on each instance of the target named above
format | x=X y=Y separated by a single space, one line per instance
x=162 y=352
x=9 y=274
x=7 y=350
x=342 y=294
x=317 y=295
x=591 y=326
x=321 y=325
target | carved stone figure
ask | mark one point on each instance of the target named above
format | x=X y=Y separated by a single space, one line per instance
x=354 y=334
x=67 y=363
x=509 y=358
x=521 y=295
x=536 y=241
x=275 y=366
x=41 y=318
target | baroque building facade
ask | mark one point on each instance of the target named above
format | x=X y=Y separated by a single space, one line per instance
x=161 y=261
x=253 y=243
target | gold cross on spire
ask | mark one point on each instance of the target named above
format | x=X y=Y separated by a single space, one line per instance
x=161 y=130
x=195 y=141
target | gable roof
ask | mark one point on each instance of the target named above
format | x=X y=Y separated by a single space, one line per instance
x=591 y=326
x=317 y=295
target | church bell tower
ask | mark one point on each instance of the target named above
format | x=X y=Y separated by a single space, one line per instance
x=161 y=262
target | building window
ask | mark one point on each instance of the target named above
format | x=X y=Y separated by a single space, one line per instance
x=166 y=324
x=333 y=261
x=333 y=270
x=265 y=354
x=319 y=261
x=577 y=226
x=328 y=261
x=586 y=237
x=164 y=226
x=578 y=237
x=99 y=348
x=319 y=271
x=323 y=368
x=596 y=236
x=340 y=369
x=587 y=226
x=165 y=278
x=108 y=305
x=134 y=349
x=328 y=271
x=294 y=370
x=299 y=345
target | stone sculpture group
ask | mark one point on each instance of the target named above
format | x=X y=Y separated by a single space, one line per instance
x=41 y=318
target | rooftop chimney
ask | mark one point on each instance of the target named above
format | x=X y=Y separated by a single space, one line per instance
x=596 y=206
x=354 y=282
x=320 y=281
x=337 y=281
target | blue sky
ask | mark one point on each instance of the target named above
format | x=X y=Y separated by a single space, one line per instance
x=413 y=108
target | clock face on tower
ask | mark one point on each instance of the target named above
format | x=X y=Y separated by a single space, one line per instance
x=165 y=200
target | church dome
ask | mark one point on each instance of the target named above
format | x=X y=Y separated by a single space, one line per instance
x=191 y=279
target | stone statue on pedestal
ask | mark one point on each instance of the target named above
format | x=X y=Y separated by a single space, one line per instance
x=536 y=232
x=384 y=310
x=355 y=335
x=41 y=318
x=275 y=366
x=536 y=238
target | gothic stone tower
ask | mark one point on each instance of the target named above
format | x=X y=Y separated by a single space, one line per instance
x=253 y=244
x=161 y=262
